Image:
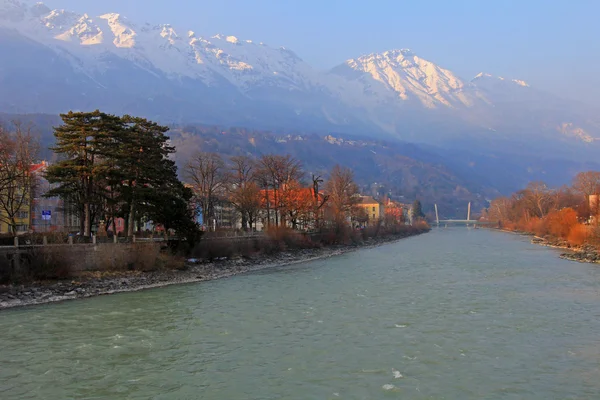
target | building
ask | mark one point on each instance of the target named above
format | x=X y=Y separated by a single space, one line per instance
x=395 y=212
x=19 y=202
x=374 y=209
x=294 y=207
x=22 y=223
x=49 y=214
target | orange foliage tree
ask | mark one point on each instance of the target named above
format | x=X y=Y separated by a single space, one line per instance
x=562 y=213
x=297 y=203
x=560 y=222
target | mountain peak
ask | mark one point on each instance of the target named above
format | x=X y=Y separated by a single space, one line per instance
x=403 y=52
x=39 y=9
x=109 y=62
x=410 y=77
x=482 y=75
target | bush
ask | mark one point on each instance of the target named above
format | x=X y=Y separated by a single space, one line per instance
x=33 y=264
x=559 y=223
x=144 y=257
x=594 y=237
x=287 y=238
x=222 y=247
x=421 y=226
x=579 y=234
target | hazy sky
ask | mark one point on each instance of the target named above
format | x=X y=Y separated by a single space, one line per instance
x=553 y=45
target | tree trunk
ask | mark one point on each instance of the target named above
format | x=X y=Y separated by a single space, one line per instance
x=276 y=207
x=82 y=221
x=131 y=220
x=268 y=208
x=87 y=220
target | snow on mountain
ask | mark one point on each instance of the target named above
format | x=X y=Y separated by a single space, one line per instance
x=484 y=78
x=253 y=68
x=570 y=130
x=68 y=60
x=160 y=48
x=409 y=77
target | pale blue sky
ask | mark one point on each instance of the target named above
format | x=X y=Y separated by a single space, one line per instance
x=552 y=44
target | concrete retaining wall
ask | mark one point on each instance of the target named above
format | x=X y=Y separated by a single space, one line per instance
x=84 y=257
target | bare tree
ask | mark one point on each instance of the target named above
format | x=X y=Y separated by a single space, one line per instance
x=18 y=151
x=208 y=175
x=343 y=193
x=244 y=194
x=538 y=197
x=500 y=210
x=319 y=200
x=275 y=173
x=587 y=183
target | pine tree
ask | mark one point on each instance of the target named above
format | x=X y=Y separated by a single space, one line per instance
x=82 y=143
x=118 y=166
x=143 y=165
x=417 y=210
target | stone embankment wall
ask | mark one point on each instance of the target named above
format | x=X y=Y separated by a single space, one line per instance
x=80 y=258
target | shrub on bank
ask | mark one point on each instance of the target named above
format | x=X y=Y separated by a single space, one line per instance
x=578 y=235
x=33 y=264
x=278 y=239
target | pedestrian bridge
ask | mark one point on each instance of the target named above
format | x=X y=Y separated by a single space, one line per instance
x=466 y=222
x=462 y=222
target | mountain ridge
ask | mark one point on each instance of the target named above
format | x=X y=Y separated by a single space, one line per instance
x=78 y=61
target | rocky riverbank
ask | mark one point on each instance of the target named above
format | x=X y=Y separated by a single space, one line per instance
x=584 y=254
x=97 y=284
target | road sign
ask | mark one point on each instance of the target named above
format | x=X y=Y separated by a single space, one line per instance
x=46 y=215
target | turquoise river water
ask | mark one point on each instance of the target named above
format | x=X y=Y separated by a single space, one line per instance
x=453 y=314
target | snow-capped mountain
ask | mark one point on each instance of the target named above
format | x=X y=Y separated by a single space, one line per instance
x=55 y=60
x=405 y=76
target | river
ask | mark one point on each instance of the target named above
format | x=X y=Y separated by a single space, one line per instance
x=458 y=313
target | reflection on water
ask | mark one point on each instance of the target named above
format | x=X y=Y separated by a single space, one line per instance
x=452 y=314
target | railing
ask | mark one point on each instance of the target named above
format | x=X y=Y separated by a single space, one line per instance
x=234 y=236
x=41 y=241
x=20 y=242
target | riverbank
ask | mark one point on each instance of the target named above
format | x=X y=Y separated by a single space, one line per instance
x=97 y=284
x=582 y=254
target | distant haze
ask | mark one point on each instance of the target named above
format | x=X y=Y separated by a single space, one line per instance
x=551 y=45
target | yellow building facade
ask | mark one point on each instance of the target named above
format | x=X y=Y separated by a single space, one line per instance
x=372 y=207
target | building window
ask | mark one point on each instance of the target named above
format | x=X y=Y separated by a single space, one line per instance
x=22 y=215
x=373 y=209
x=22 y=228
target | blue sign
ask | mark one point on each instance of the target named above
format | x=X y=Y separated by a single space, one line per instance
x=46 y=215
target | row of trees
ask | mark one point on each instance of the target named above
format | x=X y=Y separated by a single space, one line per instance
x=112 y=166
x=567 y=212
x=273 y=185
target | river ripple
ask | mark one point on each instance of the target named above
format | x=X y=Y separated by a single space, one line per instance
x=459 y=314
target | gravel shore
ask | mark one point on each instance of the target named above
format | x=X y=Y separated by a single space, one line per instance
x=584 y=254
x=97 y=284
